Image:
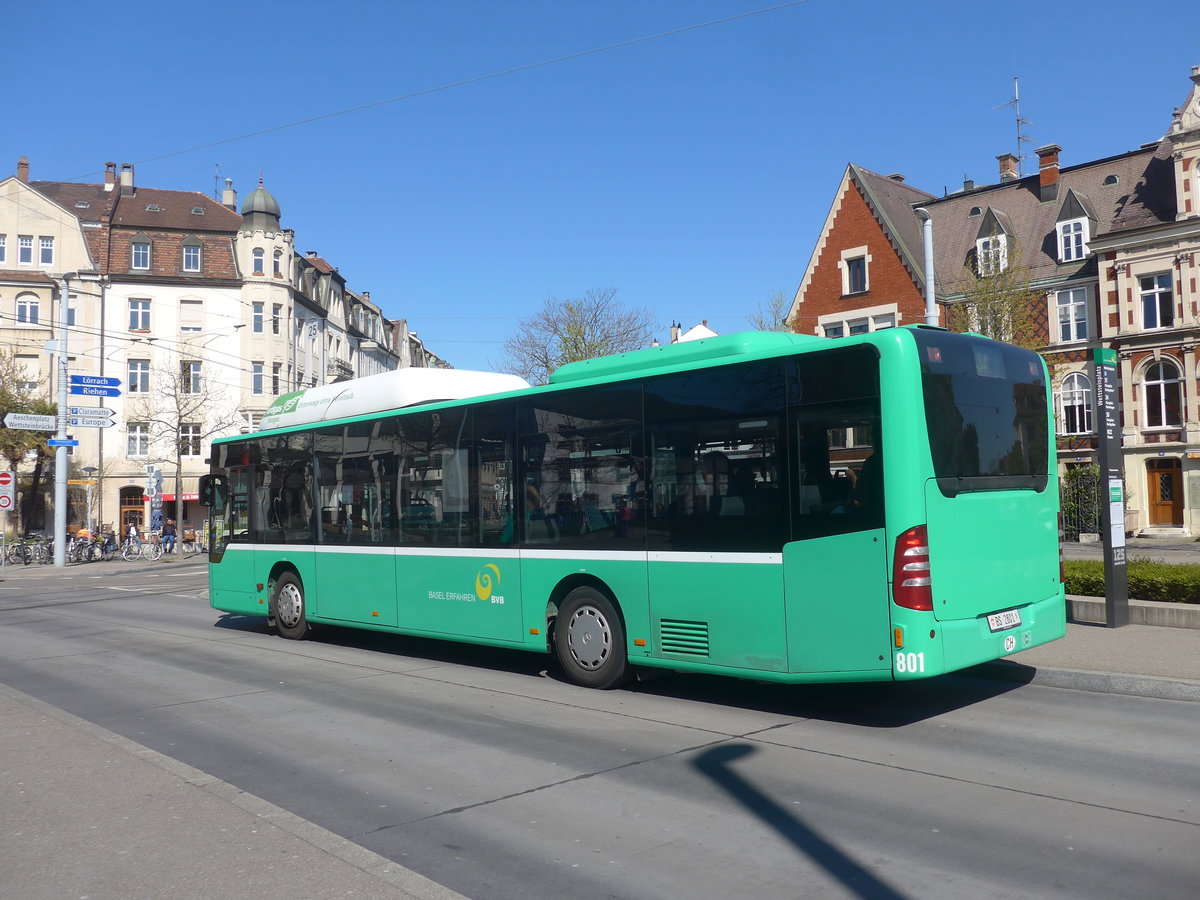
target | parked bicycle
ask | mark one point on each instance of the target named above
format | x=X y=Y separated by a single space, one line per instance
x=33 y=548
x=149 y=548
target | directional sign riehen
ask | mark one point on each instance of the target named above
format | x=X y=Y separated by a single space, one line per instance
x=30 y=422
x=89 y=390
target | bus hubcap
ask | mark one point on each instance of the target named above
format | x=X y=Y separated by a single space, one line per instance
x=589 y=637
x=288 y=605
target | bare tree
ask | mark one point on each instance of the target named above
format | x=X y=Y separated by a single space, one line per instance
x=771 y=314
x=573 y=329
x=998 y=299
x=184 y=397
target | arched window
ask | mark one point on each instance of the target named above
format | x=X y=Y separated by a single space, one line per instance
x=1163 y=391
x=28 y=309
x=1075 y=405
x=259 y=254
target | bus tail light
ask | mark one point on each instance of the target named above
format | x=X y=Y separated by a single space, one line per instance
x=911 y=586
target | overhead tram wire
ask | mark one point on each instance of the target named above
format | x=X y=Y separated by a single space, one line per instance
x=515 y=70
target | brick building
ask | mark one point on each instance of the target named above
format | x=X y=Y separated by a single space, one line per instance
x=1112 y=247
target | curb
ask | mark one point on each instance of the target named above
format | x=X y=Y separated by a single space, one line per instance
x=1096 y=682
x=1090 y=611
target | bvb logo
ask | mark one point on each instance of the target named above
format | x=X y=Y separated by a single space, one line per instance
x=487 y=581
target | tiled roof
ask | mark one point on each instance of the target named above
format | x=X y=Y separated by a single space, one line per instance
x=892 y=202
x=25 y=277
x=1141 y=192
x=174 y=211
x=70 y=196
x=1151 y=200
x=320 y=264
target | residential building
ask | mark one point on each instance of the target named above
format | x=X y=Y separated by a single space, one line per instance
x=1111 y=247
x=198 y=307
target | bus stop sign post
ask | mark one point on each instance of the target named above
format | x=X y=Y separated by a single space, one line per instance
x=1112 y=504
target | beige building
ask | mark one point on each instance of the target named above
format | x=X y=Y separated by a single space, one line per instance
x=203 y=313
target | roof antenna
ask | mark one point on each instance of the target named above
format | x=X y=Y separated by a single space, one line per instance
x=217 y=183
x=1015 y=103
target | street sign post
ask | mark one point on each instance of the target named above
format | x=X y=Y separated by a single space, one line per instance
x=31 y=422
x=1112 y=513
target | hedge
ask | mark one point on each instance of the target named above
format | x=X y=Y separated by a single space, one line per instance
x=1165 y=582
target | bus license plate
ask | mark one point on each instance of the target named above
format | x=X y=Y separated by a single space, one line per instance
x=1010 y=618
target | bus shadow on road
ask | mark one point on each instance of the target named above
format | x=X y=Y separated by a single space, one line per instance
x=868 y=704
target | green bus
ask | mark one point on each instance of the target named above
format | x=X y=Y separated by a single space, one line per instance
x=773 y=506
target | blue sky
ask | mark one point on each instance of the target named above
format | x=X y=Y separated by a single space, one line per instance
x=692 y=172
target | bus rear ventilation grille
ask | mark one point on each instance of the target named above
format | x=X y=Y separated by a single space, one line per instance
x=683 y=638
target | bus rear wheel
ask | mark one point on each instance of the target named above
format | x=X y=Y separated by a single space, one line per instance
x=287 y=607
x=589 y=640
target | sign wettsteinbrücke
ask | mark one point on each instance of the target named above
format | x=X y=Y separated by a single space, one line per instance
x=31 y=422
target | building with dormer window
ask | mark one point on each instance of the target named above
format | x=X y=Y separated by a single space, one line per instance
x=1112 y=247
x=191 y=291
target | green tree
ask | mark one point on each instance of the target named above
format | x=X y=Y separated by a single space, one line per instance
x=574 y=329
x=16 y=444
x=998 y=298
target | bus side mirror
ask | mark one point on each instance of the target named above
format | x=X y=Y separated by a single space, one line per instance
x=213 y=490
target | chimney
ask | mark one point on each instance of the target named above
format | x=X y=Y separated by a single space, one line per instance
x=674 y=333
x=312 y=254
x=1048 y=171
x=110 y=175
x=968 y=184
x=127 y=188
x=1008 y=166
x=23 y=169
x=229 y=195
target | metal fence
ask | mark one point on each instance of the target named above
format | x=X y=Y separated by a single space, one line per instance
x=1079 y=493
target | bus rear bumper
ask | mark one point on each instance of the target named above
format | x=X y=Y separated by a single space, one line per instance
x=968 y=642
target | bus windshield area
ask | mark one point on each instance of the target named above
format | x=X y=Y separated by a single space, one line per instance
x=986 y=411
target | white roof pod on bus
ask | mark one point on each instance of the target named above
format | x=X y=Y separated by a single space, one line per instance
x=379 y=393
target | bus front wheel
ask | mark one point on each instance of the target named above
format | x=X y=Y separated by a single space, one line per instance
x=287 y=607
x=589 y=640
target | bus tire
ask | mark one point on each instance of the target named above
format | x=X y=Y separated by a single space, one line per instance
x=589 y=640
x=287 y=607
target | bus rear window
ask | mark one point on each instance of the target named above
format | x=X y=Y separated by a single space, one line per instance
x=986 y=412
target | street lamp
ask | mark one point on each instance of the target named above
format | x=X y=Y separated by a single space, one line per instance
x=60 y=451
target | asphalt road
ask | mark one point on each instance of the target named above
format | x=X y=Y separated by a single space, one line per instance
x=483 y=771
